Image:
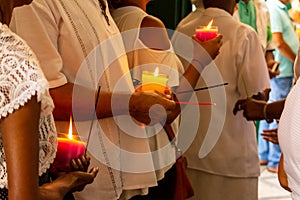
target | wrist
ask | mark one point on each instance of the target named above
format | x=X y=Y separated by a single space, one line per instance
x=132 y=103
x=265 y=112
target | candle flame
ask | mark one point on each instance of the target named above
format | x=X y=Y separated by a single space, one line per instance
x=70 y=134
x=156 y=71
x=210 y=24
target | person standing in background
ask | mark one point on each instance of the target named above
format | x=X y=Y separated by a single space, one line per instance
x=147 y=45
x=231 y=169
x=255 y=13
x=65 y=34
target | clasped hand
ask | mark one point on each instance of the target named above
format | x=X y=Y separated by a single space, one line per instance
x=150 y=107
x=253 y=107
x=73 y=181
x=205 y=52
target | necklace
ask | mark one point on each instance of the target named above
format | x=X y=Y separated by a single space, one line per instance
x=103 y=10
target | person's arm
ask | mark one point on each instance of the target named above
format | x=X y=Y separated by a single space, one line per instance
x=274 y=110
x=137 y=104
x=271 y=135
x=69 y=182
x=282 y=177
x=204 y=53
x=283 y=47
x=270 y=64
x=21 y=145
x=259 y=110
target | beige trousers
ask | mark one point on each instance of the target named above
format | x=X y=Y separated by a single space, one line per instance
x=213 y=187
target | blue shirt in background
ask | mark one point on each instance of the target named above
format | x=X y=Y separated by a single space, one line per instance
x=281 y=22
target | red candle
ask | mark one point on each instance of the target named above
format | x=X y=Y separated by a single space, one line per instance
x=69 y=147
x=208 y=32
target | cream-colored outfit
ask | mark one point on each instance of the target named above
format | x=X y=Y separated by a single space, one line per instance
x=142 y=58
x=22 y=79
x=289 y=138
x=242 y=65
x=189 y=19
x=74 y=43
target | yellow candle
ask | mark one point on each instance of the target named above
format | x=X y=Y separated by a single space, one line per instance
x=154 y=81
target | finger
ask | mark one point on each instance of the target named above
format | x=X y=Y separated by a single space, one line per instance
x=238 y=106
x=220 y=43
x=77 y=164
x=166 y=95
x=94 y=171
x=275 y=141
x=85 y=160
x=270 y=136
x=194 y=37
x=80 y=164
x=74 y=165
x=270 y=130
x=267 y=90
x=219 y=39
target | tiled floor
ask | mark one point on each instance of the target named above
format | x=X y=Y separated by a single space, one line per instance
x=269 y=188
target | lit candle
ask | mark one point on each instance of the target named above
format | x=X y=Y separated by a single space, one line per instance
x=69 y=147
x=154 y=81
x=208 y=32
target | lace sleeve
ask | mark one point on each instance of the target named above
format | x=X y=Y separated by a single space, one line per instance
x=21 y=79
x=20 y=75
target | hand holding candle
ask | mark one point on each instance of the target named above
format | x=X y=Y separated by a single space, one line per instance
x=69 y=147
x=208 y=32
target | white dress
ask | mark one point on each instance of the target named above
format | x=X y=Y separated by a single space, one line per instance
x=21 y=79
x=140 y=58
x=289 y=139
x=225 y=145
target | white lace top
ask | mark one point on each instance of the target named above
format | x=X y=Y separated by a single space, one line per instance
x=21 y=78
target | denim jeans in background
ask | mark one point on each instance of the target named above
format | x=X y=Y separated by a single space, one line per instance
x=267 y=151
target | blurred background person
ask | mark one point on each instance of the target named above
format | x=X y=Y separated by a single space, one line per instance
x=231 y=169
x=255 y=13
x=286 y=43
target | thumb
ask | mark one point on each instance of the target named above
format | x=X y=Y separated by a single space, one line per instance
x=94 y=171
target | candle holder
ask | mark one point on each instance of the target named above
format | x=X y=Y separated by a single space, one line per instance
x=205 y=33
x=67 y=149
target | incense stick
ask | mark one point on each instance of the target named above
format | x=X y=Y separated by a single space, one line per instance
x=93 y=118
x=246 y=90
x=245 y=86
x=195 y=103
x=203 y=88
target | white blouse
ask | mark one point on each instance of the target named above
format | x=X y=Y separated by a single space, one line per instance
x=21 y=79
x=289 y=139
